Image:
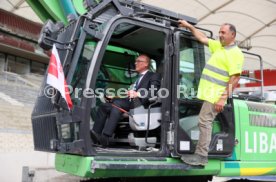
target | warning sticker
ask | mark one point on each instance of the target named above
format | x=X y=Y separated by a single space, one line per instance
x=185 y=145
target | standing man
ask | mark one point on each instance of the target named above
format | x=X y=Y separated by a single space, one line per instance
x=220 y=76
x=108 y=115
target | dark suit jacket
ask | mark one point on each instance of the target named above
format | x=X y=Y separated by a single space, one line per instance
x=149 y=80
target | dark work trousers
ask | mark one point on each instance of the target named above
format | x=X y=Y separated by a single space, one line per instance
x=108 y=116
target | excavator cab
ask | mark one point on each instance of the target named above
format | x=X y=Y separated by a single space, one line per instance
x=97 y=51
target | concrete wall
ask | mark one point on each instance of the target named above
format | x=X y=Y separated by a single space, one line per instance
x=2 y=62
x=16 y=143
x=13 y=162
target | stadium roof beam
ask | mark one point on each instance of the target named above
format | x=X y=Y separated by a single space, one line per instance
x=214 y=10
x=17 y=5
x=258 y=30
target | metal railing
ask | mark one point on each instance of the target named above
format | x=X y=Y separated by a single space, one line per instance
x=261 y=80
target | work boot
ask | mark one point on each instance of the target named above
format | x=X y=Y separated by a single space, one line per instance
x=195 y=159
x=104 y=140
x=95 y=137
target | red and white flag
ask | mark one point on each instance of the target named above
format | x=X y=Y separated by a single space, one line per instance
x=56 y=79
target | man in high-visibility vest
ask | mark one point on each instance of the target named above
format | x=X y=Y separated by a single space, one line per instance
x=220 y=76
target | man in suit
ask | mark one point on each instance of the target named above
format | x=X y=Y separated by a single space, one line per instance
x=108 y=115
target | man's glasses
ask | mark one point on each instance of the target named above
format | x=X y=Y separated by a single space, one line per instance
x=139 y=61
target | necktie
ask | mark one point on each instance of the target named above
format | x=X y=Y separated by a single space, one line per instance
x=137 y=81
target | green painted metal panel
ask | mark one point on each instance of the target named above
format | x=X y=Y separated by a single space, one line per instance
x=257 y=168
x=78 y=4
x=248 y=168
x=71 y=164
x=237 y=150
x=81 y=166
x=230 y=168
x=39 y=10
x=54 y=9
x=258 y=143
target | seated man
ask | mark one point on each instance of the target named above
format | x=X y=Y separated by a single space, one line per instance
x=109 y=114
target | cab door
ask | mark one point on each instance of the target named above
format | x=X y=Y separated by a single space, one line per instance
x=189 y=61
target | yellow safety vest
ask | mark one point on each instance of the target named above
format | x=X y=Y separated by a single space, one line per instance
x=224 y=62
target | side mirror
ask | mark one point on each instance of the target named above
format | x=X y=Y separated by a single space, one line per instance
x=48 y=33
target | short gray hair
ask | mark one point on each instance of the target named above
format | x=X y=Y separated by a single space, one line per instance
x=232 y=28
x=148 y=59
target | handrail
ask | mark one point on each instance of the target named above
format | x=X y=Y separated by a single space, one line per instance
x=261 y=71
x=175 y=22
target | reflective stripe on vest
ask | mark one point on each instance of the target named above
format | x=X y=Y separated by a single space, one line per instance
x=216 y=70
x=214 y=80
